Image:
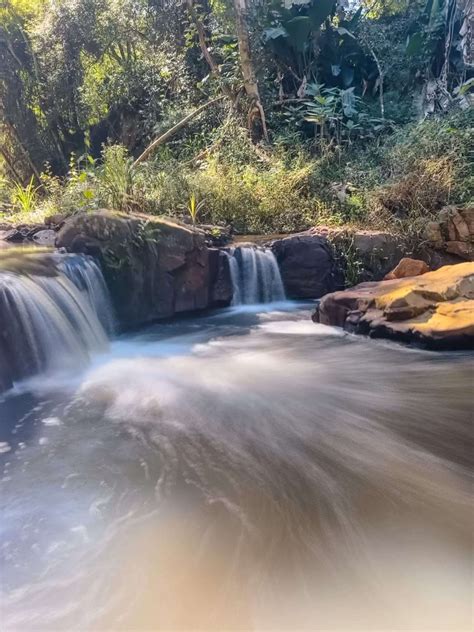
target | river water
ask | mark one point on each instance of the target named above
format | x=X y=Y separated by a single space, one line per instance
x=246 y=470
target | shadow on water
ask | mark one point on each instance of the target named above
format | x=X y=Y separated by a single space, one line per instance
x=247 y=470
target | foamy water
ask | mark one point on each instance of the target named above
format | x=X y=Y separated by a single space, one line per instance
x=247 y=471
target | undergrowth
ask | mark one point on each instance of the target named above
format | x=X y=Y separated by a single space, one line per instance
x=395 y=184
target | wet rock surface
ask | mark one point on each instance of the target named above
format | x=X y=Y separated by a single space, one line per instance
x=220 y=283
x=435 y=309
x=153 y=267
x=307 y=265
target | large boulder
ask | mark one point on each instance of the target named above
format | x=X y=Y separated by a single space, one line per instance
x=154 y=267
x=435 y=309
x=307 y=265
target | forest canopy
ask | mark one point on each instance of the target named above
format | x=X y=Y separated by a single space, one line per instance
x=281 y=113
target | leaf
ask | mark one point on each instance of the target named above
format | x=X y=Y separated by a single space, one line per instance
x=336 y=70
x=313 y=89
x=356 y=17
x=466 y=86
x=319 y=11
x=414 y=43
x=299 y=29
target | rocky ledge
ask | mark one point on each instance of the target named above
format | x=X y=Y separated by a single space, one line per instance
x=154 y=268
x=435 y=310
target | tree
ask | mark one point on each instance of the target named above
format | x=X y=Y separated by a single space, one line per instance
x=256 y=112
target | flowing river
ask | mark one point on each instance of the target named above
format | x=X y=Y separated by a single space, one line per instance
x=244 y=470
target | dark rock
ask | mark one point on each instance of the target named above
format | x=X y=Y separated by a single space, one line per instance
x=55 y=221
x=307 y=265
x=154 y=268
x=22 y=233
x=13 y=236
x=220 y=290
x=5 y=377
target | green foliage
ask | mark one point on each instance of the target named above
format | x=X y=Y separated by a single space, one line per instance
x=25 y=198
x=117 y=179
x=87 y=84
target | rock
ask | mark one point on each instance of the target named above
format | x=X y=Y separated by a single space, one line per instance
x=461 y=249
x=307 y=265
x=369 y=255
x=56 y=220
x=154 y=268
x=315 y=262
x=453 y=232
x=220 y=283
x=377 y=252
x=407 y=268
x=14 y=236
x=45 y=237
x=216 y=236
x=23 y=232
x=435 y=309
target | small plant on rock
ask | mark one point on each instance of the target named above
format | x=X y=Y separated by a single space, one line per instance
x=194 y=207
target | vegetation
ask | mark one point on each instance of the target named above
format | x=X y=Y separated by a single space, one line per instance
x=268 y=116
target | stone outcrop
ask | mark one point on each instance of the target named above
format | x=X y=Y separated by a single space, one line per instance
x=435 y=309
x=453 y=232
x=316 y=261
x=307 y=265
x=407 y=268
x=220 y=283
x=153 y=267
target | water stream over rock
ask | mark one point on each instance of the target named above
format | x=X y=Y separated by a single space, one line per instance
x=246 y=470
x=54 y=310
x=255 y=276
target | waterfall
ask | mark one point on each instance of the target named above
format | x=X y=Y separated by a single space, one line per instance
x=255 y=276
x=53 y=313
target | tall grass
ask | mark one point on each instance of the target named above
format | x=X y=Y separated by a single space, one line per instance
x=117 y=179
x=25 y=198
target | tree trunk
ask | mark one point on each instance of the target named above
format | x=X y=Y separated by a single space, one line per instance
x=248 y=72
x=214 y=68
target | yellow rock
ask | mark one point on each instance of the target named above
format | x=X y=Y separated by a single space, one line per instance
x=436 y=308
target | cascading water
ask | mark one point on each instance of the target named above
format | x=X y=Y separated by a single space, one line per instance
x=255 y=276
x=54 y=311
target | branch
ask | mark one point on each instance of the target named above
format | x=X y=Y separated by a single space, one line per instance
x=172 y=131
x=215 y=70
x=379 y=68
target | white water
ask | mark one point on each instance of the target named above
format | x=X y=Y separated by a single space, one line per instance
x=243 y=471
x=55 y=318
x=255 y=276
